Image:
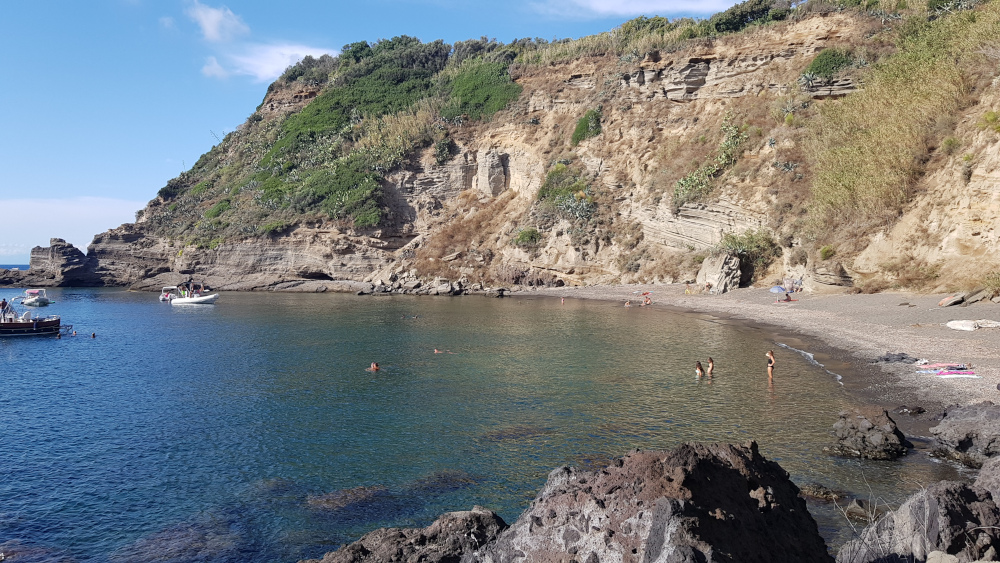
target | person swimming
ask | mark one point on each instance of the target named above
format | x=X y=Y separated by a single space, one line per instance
x=373 y=367
x=698 y=370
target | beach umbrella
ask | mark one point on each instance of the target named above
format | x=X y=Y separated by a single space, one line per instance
x=777 y=289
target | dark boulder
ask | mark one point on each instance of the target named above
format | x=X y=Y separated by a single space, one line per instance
x=949 y=517
x=447 y=540
x=969 y=434
x=869 y=434
x=697 y=503
x=989 y=477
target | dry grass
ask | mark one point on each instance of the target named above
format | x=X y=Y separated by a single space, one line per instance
x=869 y=148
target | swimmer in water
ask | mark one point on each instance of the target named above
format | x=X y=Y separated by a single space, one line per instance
x=373 y=367
x=698 y=370
x=770 y=364
x=711 y=366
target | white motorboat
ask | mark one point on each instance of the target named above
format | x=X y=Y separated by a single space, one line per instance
x=35 y=298
x=195 y=299
x=187 y=294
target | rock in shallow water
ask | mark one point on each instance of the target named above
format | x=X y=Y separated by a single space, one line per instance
x=870 y=434
x=446 y=540
x=969 y=434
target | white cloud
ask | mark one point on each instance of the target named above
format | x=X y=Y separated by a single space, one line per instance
x=76 y=220
x=213 y=69
x=167 y=22
x=604 y=8
x=267 y=62
x=217 y=24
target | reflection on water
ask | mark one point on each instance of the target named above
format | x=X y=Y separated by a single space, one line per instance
x=217 y=428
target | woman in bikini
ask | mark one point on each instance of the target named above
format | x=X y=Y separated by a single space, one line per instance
x=770 y=364
x=698 y=371
x=711 y=366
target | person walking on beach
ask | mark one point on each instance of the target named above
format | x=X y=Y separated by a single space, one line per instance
x=698 y=371
x=711 y=366
x=770 y=364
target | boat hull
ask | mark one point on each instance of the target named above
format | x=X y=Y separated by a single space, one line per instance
x=30 y=328
x=35 y=302
x=202 y=300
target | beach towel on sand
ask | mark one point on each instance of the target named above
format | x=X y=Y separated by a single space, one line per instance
x=958 y=376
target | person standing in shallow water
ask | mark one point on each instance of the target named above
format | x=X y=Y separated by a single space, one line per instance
x=770 y=364
x=711 y=366
x=698 y=370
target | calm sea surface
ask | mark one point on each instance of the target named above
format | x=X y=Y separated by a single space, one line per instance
x=203 y=432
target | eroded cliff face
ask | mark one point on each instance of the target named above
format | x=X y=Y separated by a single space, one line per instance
x=661 y=119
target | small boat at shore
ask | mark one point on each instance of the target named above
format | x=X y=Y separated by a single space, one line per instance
x=34 y=298
x=187 y=294
x=16 y=323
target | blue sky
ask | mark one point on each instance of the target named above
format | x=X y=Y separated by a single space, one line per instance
x=105 y=100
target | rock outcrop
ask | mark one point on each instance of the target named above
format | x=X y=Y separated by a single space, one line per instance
x=954 y=518
x=969 y=434
x=719 y=273
x=447 y=540
x=695 y=503
x=871 y=434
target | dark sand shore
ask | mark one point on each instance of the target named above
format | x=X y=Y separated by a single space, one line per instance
x=857 y=329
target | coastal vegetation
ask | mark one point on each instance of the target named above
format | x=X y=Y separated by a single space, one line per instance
x=335 y=134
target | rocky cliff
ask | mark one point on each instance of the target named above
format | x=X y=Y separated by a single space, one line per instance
x=475 y=213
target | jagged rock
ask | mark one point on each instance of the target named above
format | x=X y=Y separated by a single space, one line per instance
x=969 y=434
x=871 y=435
x=411 y=285
x=947 y=516
x=722 y=271
x=820 y=492
x=989 y=477
x=696 y=503
x=445 y=541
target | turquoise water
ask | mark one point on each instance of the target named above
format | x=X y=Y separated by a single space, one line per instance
x=202 y=432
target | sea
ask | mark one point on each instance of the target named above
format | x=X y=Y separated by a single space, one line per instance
x=13 y=266
x=250 y=430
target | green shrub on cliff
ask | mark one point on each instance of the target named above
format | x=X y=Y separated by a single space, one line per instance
x=828 y=63
x=479 y=89
x=566 y=190
x=756 y=249
x=698 y=184
x=385 y=78
x=218 y=209
x=588 y=126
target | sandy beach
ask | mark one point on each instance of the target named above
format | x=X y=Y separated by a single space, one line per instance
x=858 y=328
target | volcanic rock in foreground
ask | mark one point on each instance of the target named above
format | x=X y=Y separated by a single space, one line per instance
x=969 y=434
x=697 y=503
x=446 y=540
x=952 y=518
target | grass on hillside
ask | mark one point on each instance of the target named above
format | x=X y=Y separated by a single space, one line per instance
x=868 y=148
